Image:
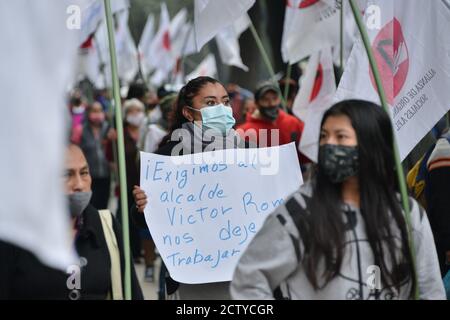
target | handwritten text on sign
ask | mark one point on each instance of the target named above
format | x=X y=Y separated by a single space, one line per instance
x=203 y=215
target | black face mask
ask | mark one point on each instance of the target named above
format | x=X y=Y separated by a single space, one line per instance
x=338 y=162
x=270 y=113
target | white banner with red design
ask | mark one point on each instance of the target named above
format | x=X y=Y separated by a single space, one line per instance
x=316 y=94
x=312 y=25
x=412 y=51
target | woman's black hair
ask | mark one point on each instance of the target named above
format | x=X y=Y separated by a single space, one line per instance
x=185 y=97
x=379 y=204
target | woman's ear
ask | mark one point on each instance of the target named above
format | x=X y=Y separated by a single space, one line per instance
x=187 y=114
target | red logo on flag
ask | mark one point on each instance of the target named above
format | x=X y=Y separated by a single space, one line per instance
x=88 y=43
x=317 y=84
x=391 y=54
x=301 y=4
x=307 y=3
x=166 y=41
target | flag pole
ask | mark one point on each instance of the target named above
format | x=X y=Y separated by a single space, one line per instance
x=398 y=164
x=121 y=150
x=341 y=27
x=267 y=62
x=288 y=77
x=183 y=49
x=139 y=60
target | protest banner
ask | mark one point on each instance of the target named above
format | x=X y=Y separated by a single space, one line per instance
x=204 y=209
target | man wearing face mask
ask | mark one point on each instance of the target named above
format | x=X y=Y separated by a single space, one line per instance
x=280 y=127
x=101 y=263
x=97 y=279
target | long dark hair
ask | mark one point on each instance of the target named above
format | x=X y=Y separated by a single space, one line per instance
x=185 y=97
x=379 y=204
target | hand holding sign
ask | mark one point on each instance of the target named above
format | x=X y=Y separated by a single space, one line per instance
x=140 y=198
x=204 y=212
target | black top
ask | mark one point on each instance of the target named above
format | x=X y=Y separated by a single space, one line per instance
x=22 y=276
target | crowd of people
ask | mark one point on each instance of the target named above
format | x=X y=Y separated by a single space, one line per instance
x=346 y=216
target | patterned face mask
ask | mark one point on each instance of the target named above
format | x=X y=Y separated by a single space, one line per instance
x=338 y=162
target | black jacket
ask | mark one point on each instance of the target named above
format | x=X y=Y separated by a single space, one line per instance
x=22 y=276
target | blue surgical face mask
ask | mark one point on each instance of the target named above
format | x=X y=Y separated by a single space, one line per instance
x=218 y=118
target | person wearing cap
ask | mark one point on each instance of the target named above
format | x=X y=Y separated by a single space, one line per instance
x=281 y=128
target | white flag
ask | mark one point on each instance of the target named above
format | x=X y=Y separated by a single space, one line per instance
x=92 y=13
x=413 y=54
x=212 y=16
x=145 y=42
x=101 y=44
x=167 y=44
x=207 y=67
x=127 y=54
x=40 y=55
x=316 y=95
x=184 y=41
x=311 y=25
x=159 y=54
x=159 y=77
x=228 y=42
x=351 y=33
x=87 y=65
x=178 y=32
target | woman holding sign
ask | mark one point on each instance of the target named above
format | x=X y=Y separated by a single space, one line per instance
x=344 y=235
x=204 y=121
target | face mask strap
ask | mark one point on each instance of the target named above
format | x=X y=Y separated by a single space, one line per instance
x=193 y=108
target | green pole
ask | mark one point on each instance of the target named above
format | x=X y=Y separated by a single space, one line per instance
x=121 y=150
x=398 y=164
x=341 y=27
x=288 y=77
x=267 y=62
